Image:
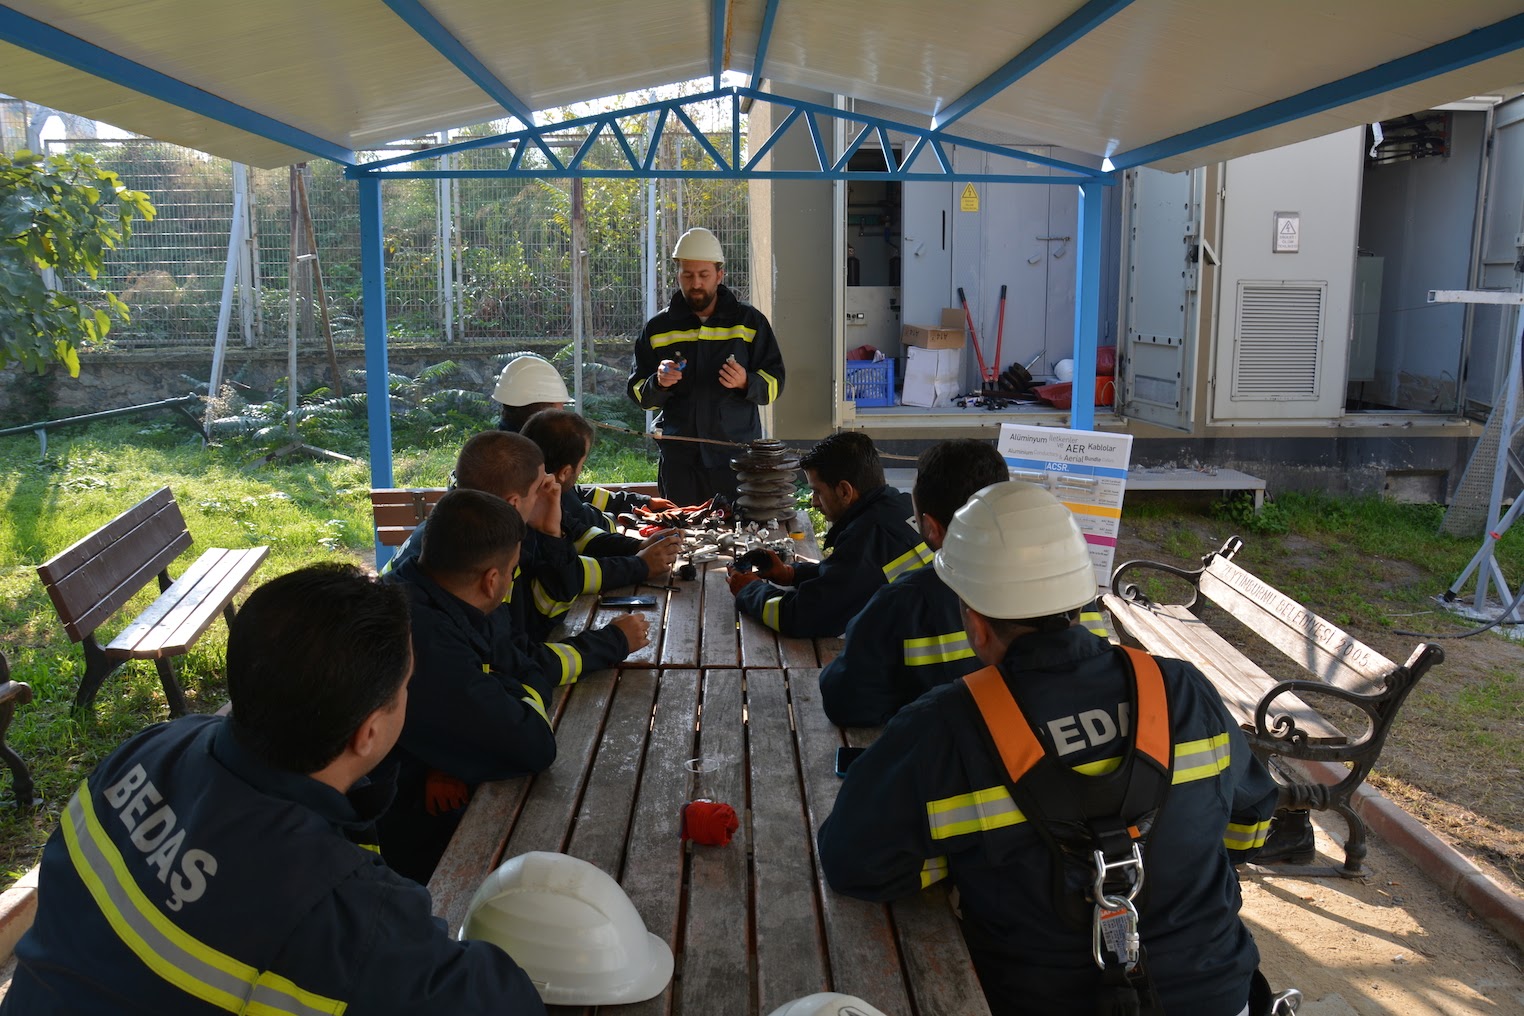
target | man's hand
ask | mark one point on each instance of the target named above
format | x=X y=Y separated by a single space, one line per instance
x=546 y=516
x=634 y=628
x=659 y=553
x=669 y=373
x=733 y=375
x=443 y=793
x=739 y=580
x=772 y=568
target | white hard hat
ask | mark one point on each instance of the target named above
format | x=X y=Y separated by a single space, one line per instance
x=572 y=929
x=827 y=1003
x=1014 y=551
x=698 y=244
x=529 y=379
x=1064 y=370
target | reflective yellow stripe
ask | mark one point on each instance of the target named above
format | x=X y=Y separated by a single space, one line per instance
x=980 y=811
x=592 y=574
x=772 y=384
x=600 y=499
x=1096 y=622
x=1246 y=837
x=703 y=334
x=570 y=660
x=547 y=607
x=180 y=959
x=536 y=703
x=589 y=534
x=931 y=649
x=918 y=556
x=993 y=808
x=374 y=848
x=934 y=870
x=1200 y=760
x=771 y=611
x=640 y=389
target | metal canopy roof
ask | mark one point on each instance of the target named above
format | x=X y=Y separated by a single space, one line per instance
x=1169 y=83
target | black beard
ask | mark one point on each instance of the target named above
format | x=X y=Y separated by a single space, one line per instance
x=698 y=303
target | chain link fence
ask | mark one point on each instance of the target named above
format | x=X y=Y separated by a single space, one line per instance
x=478 y=261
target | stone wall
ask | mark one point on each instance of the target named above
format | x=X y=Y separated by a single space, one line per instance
x=113 y=380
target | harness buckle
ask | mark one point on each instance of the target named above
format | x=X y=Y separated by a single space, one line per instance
x=1130 y=868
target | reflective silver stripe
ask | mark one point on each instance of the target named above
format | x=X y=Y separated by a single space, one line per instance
x=589 y=534
x=934 y=870
x=703 y=334
x=570 y=660
x=592 y=575
x=1200 y=760
x=980 y=811
x=168 y=950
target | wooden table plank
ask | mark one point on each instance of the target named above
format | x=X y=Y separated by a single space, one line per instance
x=603 y=819
x=936 y=960
x=476 y=848
x=862 y=950
x=718 y=643
x=544 y=823
x=717 y=956
x=680 y=641
x=829 y=648
x=790 y=953
x=798 y=654
x=759 y=645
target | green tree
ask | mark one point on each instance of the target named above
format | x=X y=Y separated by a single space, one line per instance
x=63 y=213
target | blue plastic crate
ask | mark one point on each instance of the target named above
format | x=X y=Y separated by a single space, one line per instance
x=870 y=383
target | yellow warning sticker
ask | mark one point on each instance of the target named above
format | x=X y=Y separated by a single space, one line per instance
x=969 y=202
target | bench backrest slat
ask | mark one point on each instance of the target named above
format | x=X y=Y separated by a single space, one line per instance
x=398 y=510
x=1317 y=645
x=93 y=579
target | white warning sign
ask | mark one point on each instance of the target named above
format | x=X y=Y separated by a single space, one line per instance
x=1288 y=232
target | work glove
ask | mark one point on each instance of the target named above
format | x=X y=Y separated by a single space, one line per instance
x=443 y=793
x=770 y=566
x=739 y=580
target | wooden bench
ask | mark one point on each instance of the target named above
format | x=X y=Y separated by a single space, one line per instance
x=1278 y=715
x=93 y=579
x=13 y=694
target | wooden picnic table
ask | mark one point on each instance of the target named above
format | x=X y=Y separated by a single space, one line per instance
x=716 y=707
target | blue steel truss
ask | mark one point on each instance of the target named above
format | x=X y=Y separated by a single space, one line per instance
x=925 y=158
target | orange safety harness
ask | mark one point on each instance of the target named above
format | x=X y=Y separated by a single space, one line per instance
x=1095 y=825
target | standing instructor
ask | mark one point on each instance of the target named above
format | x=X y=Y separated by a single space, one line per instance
x=706 y=363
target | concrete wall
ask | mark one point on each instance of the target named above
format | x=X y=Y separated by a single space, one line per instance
x=793 y=271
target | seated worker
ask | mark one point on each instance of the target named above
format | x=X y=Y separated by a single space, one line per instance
x=551 y=576
x=909 y=638
x=870 y=541
x=218 y=863
x=530 y=383
x=477 y=708
x=566 y=439
x=1007 y=782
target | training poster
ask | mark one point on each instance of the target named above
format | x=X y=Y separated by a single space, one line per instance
x=1085 y=470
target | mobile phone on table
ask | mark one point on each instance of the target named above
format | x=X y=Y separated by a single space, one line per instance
x=628 y=601
x=845 y=756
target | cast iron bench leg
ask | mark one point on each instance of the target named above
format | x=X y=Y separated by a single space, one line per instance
x=97 y=669
x=172 y=693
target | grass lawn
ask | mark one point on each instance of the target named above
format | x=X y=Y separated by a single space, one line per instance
x=303 y=509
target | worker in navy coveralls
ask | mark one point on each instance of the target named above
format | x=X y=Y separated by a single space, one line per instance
x=871 y=543
x=226 y=864
x=933 y=799
x=705 y=363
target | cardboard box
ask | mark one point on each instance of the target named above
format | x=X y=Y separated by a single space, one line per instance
x=933 y=377
x=948 y=336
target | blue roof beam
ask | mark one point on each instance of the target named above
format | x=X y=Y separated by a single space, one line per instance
x=45 y=40
x=717 y=12
x=1463 y=51
x=431 y=30
x=1065 y=34
x=769 y=18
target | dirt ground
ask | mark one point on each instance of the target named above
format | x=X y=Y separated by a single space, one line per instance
x=1393 y=943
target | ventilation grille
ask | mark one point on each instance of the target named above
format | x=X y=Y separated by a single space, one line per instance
x=1280 y=331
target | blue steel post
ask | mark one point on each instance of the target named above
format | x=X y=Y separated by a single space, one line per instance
x=1087 y=305
x=377 y=394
